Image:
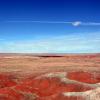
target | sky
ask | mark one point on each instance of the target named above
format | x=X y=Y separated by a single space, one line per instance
x=49 y=26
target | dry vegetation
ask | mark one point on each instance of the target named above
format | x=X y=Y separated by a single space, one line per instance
x=38 y=64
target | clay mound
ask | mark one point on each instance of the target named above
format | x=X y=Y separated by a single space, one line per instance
x=47 y=87
x=53 y=86
x=86 y=77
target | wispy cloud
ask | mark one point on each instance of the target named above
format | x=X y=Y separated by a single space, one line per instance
x=80 y=43
x=74 y=23
x=54 y=22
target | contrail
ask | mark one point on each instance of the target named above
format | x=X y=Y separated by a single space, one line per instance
x=54 y=22
x=76 y=23
x=91 y=23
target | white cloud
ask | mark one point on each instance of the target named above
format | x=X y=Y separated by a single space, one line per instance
x=77 y=23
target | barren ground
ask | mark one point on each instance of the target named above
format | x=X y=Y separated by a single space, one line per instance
x=50 y=77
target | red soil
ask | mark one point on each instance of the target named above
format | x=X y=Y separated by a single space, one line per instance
x=45 y=87
x=48 y=78
x=6 y=81
x=86 y=77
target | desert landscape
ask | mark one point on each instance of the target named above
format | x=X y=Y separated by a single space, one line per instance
x=49 y=76
x=49 y=49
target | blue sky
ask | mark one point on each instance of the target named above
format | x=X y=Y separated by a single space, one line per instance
x=50 y=26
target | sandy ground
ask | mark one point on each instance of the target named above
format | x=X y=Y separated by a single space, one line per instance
x=30 y=64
